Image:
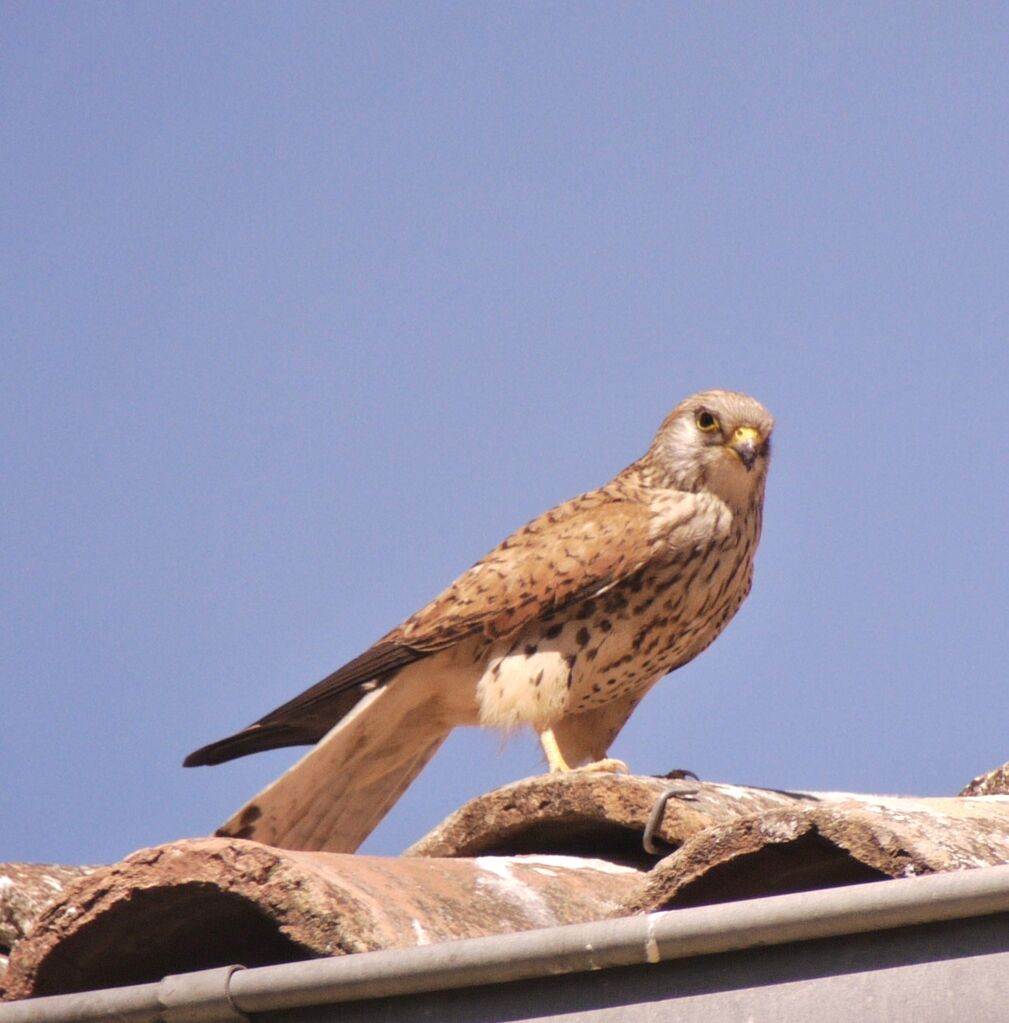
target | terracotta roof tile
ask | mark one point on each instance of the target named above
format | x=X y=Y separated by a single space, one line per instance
x=545 y=851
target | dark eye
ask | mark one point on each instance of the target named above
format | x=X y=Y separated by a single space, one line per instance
x=706 y=422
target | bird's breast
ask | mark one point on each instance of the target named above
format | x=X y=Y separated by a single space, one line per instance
x=524 y=682
x=621 y=641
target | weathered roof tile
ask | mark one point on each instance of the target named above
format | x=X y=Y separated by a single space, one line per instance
x=545 y=851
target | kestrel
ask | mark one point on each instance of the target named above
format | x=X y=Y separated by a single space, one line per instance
x=564 y=626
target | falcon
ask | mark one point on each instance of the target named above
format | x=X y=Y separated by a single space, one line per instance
x=563 y=627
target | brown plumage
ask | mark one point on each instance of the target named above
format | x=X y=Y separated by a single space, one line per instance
x=564 y=626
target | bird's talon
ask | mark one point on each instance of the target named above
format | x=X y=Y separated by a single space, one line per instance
x=608 y=765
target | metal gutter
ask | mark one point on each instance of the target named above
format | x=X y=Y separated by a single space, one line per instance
x=217 y=996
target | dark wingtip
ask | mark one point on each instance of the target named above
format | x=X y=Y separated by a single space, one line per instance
x=308 y=717
x=205 y=756
x=254 y=739
x=239 y=745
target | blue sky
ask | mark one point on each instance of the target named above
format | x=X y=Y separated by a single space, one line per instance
x=306 y=306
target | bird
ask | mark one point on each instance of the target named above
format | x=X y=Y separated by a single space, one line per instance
x=564 y=627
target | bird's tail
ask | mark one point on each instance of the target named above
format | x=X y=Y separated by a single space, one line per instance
x=337 y=794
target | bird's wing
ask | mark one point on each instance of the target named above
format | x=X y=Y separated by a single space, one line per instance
x=310 y=715
x=571 y=553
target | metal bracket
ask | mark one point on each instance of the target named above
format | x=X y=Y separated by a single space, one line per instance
x=648 y=839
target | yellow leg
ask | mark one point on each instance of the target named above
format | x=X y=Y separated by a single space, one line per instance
x=555 y=759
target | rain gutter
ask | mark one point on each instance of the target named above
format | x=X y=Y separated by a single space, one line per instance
x=228 y=993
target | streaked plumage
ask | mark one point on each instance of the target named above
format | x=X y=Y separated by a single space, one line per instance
x=564 y=626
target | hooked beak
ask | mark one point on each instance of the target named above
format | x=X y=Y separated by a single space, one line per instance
x=746 y=443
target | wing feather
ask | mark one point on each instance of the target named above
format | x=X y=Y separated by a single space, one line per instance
x=573 y=552
x=310 y=715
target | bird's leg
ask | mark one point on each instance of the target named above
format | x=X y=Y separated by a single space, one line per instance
x=556 y=761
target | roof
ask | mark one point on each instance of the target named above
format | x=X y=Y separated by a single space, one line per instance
x=546 y=852
x=931 y=948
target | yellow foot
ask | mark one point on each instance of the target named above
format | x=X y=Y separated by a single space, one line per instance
x=607 y=764
x=558 y=764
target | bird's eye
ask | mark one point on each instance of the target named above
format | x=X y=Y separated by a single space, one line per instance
x=706 y=422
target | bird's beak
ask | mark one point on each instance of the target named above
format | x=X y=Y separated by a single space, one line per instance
x=746 y=442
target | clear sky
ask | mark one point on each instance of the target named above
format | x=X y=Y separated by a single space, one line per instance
x=305 y=306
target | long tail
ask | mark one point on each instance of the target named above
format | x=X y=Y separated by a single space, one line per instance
x=337 y=794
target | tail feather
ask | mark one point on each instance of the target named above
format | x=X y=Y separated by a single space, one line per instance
x=336 y=794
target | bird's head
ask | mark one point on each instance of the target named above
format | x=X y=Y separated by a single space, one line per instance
x=718 y=441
